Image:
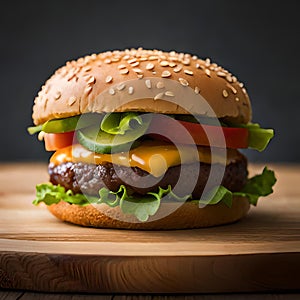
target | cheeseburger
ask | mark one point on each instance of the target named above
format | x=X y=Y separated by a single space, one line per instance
x=146 y=139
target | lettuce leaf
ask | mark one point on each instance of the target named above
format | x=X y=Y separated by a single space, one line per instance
x=147 y=205
x=258 y=138
x=258 y=186
x=52 y=194
x=119 y=123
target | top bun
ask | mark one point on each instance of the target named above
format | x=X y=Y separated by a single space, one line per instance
x=138 y=77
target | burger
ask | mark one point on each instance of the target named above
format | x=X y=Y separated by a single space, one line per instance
x=146 y=139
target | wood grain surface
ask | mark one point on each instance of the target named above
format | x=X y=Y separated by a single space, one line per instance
x=38 y=252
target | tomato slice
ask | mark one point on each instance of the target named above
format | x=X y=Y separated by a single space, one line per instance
x=234 y=137
x=55 y=141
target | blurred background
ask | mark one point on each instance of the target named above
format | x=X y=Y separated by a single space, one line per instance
x=256 y=40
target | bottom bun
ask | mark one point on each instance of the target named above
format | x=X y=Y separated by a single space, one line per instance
x=188 y=215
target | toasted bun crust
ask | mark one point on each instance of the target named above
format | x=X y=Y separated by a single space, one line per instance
x=188 y=215
x=75 y=87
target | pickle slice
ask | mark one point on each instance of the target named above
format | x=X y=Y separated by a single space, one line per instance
x=96 y=140
x=71 y=123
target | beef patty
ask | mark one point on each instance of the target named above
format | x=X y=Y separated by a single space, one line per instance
x=90 y=178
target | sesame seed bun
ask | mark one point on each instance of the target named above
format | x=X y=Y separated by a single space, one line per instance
x=188 y=215
x=75 y=88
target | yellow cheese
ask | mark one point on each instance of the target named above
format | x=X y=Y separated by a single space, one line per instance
x=151 y=156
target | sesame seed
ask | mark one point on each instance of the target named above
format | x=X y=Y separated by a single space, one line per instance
x=124 y=71
x=115 y=59
x=154 y=72
x=87 y=68
x=148 y=83
x=169 y=94
x=149 y=66
x=91 y=80
x=186 y=61
x=76 y=71
x=177 y=69
x=121 y=87
x=229 y=78
x=137 y=70
x=164 y=63
x=173 y=58
x=41 y=135
x=72 y=100
x=225 y=93
x=94 y=56
x=183 y=81
x=88 y=89
x=160 y=85
x=107 y=61
x=207 y=72
x=197 y=66
x=172 y=64
x=197 y=90
x=130 y=90
x=234 y=79
x=108 y=79
x=194 y=57
x=237 y=99
x=207 y=62
x=232 y=88
x=135 y=64
x=57 y=95
x=112 y=91
x=71 y=76
x=241 y=84
x=133 y=60
x=152 y=57
x=221 y=74
x=188 y=72
x=143 y=58
x=158 y=96
x=165 y=74
x=126 y=57
x=121 y=66
x=140 y=76
x=45 y=102
x=244 y=91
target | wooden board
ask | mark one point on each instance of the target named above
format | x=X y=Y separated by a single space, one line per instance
x=38 y=252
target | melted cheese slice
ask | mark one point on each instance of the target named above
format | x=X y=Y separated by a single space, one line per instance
x=151 y=156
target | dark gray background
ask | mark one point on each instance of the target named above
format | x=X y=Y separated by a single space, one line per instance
x=256 y=40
